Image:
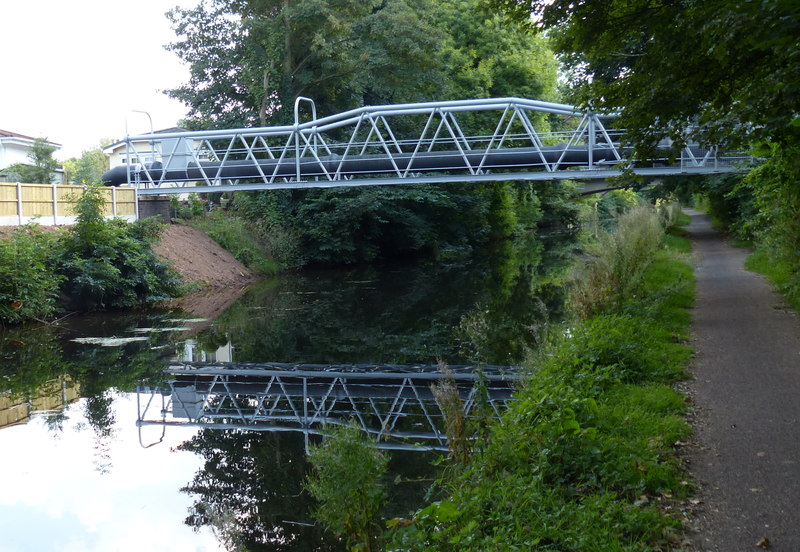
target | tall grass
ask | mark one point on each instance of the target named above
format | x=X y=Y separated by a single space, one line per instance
x=610 y=274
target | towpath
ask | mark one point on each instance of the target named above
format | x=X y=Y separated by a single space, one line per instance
x=746 y=391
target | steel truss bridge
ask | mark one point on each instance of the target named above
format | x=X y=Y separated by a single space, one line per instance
x=393 y=404
x=479 y=140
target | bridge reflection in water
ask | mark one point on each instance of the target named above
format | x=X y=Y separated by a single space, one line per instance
x=394 y=404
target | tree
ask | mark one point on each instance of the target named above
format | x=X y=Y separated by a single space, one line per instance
x=88 y=168
x=250 y=59
x=489 y=56
x=42 y=168
x=728 y=67
x=44 y=164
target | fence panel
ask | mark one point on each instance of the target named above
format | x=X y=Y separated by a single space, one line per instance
x=55 y=204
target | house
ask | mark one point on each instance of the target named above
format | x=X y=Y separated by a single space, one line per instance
x=148 y=151
x=14 y=148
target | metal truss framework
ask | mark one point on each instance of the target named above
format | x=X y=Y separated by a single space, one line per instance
x=394 y=405
x=434 y=142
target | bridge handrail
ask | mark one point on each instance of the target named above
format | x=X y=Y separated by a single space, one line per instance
x=351 y=116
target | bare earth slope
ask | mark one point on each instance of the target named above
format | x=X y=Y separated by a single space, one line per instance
x=199 y=259
x=746 y=454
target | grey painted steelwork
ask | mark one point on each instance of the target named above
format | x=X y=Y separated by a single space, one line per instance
x=392 y=404
x=398 y=144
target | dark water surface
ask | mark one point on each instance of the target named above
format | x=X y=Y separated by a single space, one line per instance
x=77 y=472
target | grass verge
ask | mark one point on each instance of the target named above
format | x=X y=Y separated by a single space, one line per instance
x=584 y=459
x=779 y=274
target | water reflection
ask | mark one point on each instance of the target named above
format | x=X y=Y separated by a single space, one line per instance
x=395 y=405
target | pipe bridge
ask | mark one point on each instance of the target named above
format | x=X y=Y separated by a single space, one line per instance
x=480 y=140
x=394 y=404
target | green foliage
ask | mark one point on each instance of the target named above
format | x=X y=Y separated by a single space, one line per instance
x=583 y=459
x=354 y=225
x=109 y=263
x=250 y=59
x=488 y=56
x=42 y=167
x=681 y=62
x=775 y=189
x=88 y=168
x=255 y=57
x=190 y=208
x=780 y=274
x=611 y=273
x=28 y=287
x=346 y=482
x=250 y=247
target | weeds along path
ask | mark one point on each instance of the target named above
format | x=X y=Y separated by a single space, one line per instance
x=746 y=390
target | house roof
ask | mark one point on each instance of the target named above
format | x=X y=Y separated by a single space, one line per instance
x=9 y=134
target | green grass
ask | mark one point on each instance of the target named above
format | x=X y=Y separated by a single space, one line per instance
x=584 y=457
x=779 y=274
x=233 y=233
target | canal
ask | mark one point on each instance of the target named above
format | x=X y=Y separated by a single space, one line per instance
x=79 y=470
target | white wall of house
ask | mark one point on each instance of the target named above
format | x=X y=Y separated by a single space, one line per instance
x=14 y=150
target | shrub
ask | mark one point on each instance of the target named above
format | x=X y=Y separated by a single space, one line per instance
x=109 y=263
x=346 y=482
x=28 y=287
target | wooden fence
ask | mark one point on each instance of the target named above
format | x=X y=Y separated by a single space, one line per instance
x=55 y=204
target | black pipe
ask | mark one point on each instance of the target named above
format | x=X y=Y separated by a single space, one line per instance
x=310 y=167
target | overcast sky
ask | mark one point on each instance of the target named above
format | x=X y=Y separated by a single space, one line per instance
x=72 y=70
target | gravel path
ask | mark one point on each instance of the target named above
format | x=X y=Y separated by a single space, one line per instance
x=746 y=391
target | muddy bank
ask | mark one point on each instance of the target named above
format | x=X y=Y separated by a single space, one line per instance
x=203 y=262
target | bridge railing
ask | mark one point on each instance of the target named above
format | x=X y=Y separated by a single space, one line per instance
x=464 y=140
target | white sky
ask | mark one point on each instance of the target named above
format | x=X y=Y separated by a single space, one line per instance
x=72 y=70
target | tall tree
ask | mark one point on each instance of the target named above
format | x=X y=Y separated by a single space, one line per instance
x=44 y=164
x=730 y=67
x=487 y=55
x=250 y=59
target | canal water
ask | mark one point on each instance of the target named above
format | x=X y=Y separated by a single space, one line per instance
x=97 y=448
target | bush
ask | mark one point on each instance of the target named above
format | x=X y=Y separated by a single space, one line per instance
x=28 y=287
x=110 y=263
x=346 y=482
